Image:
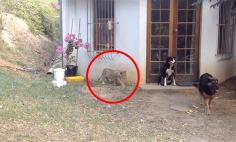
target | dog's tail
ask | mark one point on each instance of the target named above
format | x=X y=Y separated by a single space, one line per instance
x=196 y=85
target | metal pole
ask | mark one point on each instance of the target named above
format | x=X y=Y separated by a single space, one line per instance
x=61 y=29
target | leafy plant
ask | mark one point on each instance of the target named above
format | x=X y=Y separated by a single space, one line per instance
x=72 y=43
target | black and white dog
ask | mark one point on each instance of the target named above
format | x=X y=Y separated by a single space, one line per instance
x=167 y=72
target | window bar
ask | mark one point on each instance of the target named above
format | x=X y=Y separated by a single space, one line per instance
x=98 y=17
x=101 y=15
x=232 y=40
x=91 y=4
x=104 y=28
x=95 y=18
x=113 y=24
x=97 y=36
x=113 y=28
x=112 y=19
x=223 y=31
x=109 y=17
x=110 y=32
x=87 y=28
x=95 y=13
x=106 y=32
x=90 y=24
x=223 y=41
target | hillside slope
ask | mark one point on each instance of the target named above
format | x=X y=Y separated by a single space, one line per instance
x=19 y=47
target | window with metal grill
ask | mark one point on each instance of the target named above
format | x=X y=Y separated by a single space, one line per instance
x=101 y=25
x=226 y=30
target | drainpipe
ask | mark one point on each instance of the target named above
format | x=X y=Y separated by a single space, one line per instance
x=61 y=30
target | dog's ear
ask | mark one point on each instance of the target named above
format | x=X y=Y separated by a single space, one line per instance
x=209 y=83
x=209 y=80
x=215 y=80
x=174 y=58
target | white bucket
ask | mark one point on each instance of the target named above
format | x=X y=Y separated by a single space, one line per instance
x=59 y=74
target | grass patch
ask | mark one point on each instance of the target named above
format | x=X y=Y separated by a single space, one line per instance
x=52 y=114
x=22 y=50
x=5 y=48
x=4 y=57
x=96 y=83
x=20 y=63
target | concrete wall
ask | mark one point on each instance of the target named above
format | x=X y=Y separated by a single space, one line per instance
x=209 y=62
x=130 y=37
x=143 y=40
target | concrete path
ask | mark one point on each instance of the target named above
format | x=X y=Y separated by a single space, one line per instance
x=168 y=88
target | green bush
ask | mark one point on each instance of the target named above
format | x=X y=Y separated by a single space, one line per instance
x=38 y=14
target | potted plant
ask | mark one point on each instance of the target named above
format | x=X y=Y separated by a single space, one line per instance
x=73 y=43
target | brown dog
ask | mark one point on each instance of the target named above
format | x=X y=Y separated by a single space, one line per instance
x=208 y=86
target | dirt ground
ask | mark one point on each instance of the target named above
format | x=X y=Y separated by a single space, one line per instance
x=152 y=109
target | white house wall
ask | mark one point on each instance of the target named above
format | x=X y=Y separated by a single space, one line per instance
x=127 y=13
x=208 y=45
x=142 y=41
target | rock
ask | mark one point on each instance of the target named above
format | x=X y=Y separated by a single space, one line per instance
x=193 y=122
x=179 y=108
x=196 y=139
x=178 y=100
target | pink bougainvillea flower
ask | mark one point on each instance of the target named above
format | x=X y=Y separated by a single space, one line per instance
x=57 y=5
x=80 y=44
x=64 y=56
x=60 y=50
x=86 y=45
x=67 y=37
x=72 y=38
x=74 y=44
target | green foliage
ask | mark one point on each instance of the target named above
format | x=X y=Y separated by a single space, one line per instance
x=20 y=63
x=4 y=57
x=38 y=14
x=22 y=50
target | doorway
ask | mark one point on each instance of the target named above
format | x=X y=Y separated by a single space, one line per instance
x=173 y=30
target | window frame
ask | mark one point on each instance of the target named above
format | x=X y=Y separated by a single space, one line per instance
x=226 y=22
x=98 y=47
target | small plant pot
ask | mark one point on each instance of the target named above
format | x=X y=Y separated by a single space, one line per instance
x=71 y=70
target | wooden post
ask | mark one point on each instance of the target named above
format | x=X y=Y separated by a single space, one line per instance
x=78 y=39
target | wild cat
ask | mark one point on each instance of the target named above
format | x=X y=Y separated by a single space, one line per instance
x=115 y=75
